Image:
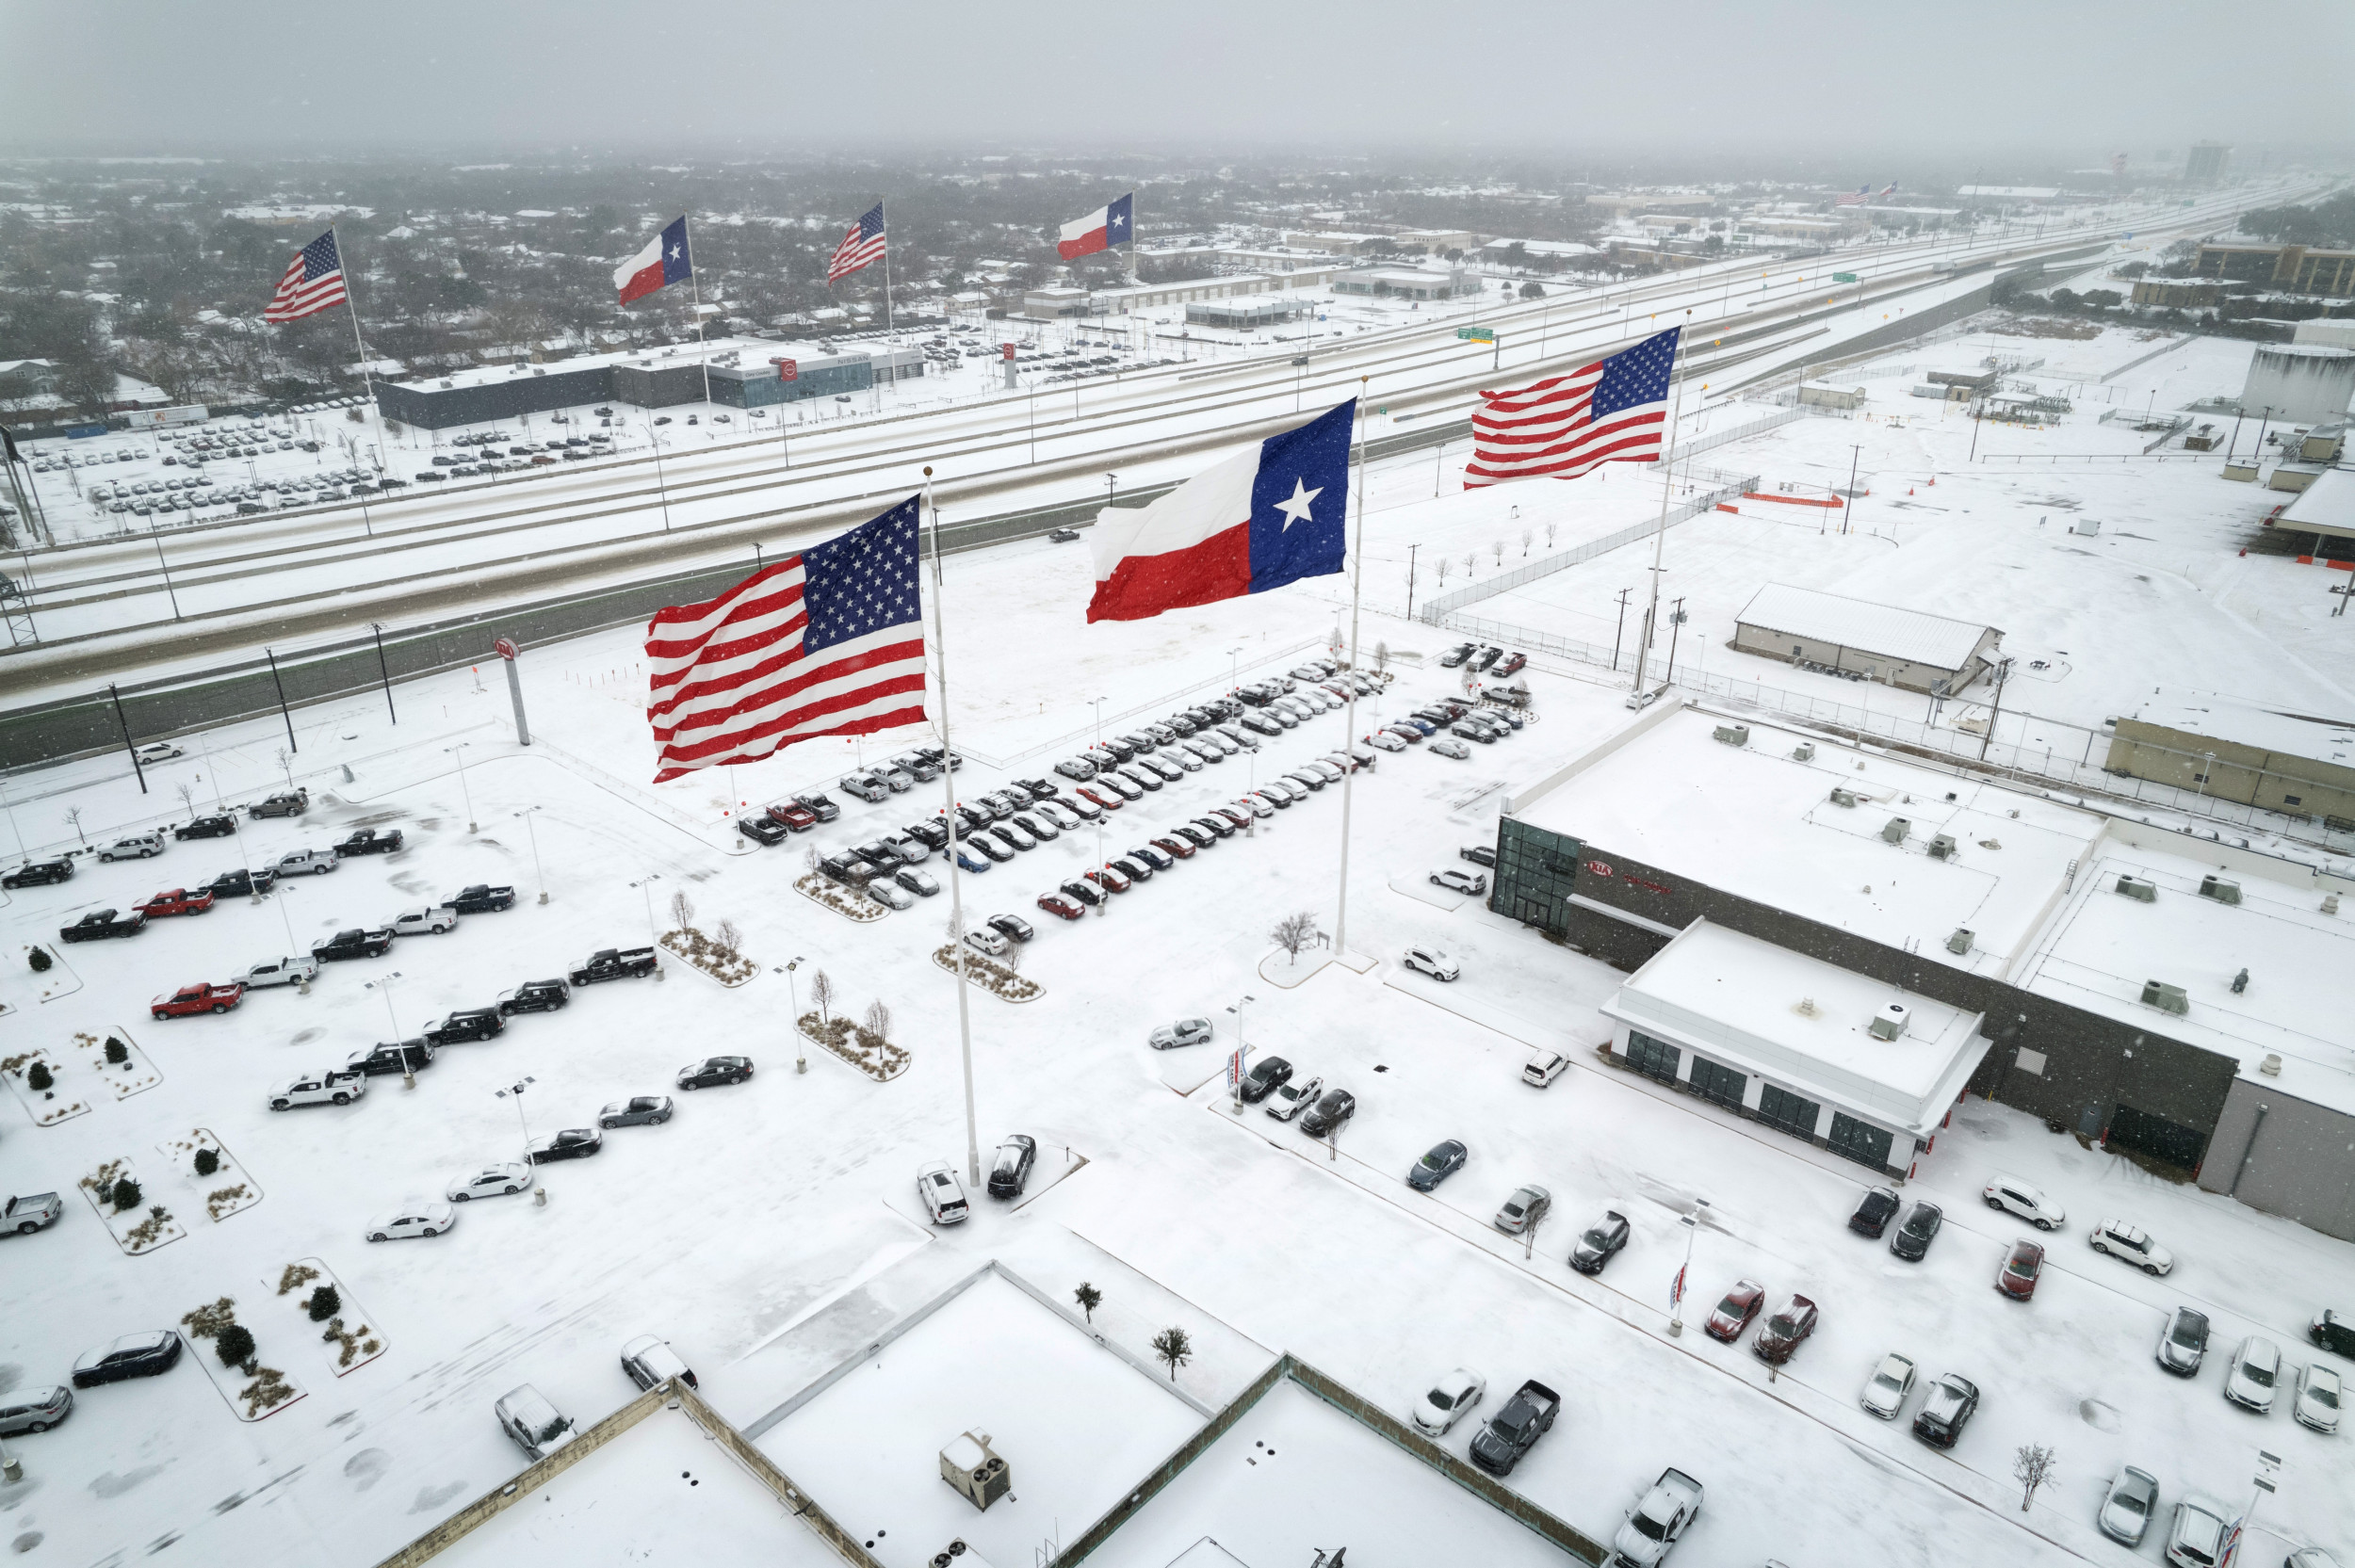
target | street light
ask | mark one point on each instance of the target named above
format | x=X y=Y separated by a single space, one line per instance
x=1242 y=1050
x=653 y=939
x=384 y=983
x=793 y=992
x=533 y=833
x=459 y=751
x=539 y=1194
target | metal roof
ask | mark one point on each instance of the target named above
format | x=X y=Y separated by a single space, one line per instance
x=2325 y=507
x=1905 y=635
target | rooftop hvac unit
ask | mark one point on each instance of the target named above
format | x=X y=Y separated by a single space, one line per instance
x=1804 y=752
x=1943 y=847
x=1844 y=797
x=1733 y=735
x=2330 y=904
x=2223 y=892
x=969 y=1464
x=958 y=1555
x=2271 y=1066
x=2167 y=998
x=2086 y=525
x=1959 y=943
x=1890 y=1022
x=2135 y=887
x=1894 y=830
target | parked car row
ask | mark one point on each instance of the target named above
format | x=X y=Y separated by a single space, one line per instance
x=1010 y=1166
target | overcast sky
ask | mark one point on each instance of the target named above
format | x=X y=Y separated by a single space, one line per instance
x=1867 y=80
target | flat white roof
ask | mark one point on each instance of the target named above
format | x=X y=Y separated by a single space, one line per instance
x=748 y=350
x=1913 y=635
x=2103 y=945
x=1752 y=821
x=2327 y=505
x=1804 y=1022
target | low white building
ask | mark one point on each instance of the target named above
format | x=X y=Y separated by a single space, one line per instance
x=1899 y=647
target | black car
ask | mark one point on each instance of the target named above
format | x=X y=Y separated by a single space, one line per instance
x=37 y=872
x=482 y=899
x=1443 y=1161
x=1479 y=854
x=1012 y=927
x=712 y=1072
x=1262 y=1079
x=1456 y=655
x=1010 y=1171
x=205 y=826
x=933 y=834
x=1599 y=1243
x=468 y=1023
x=1039 y=789
x=534 y=996
x=353 y=944
x=763 y=829
x=1872 y=1215
x=2333 y=1332
x=236 y=884
x=136 y=1356
x=848 y=870
x=407 y=1056
x=1329 y=1115
x=100 y=924
x=572 y=1143
x=1914 y=1238
x=1085 y=890
x=1945 y=1410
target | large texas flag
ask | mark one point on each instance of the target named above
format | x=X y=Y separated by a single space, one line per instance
x=663 y=262
x=1107 y=226
x=1259 y=520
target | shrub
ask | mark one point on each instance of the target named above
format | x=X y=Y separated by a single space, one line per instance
x=208 y=1161
x=127 y=1195
x=39 y=1077
x=325 y=1303
x=236 y=1345
x=117 y=1052
x=39 y=960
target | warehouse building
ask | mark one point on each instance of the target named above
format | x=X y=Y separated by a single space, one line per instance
x=2299 y=764
x=1407 y=283
x=1903 y=648
x=741 y=373
x=1244 y=315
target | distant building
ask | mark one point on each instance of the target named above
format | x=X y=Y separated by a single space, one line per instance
x=2299 y=268
x=741 y=375
x=1903 y=648
x=1406 y=283
x=1821 y=395
x=2180 y=293
x=1244 y=315
x=2205 y=164
x=1062 y=301
x=2211 y=745
x=2303 y=383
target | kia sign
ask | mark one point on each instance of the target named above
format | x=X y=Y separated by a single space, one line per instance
x=787 y=370
x=506 y=648
x=1008 y=348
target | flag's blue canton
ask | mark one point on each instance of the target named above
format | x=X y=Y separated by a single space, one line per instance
x=863 y=581
x=1637 y=376
x=319 y=257
x=1116 y=219
x=676 y=265
x=1299 y=501
x=871 y=222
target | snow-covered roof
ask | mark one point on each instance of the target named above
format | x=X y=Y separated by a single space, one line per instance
x=1805 y=1023
x=2325 y=507
x=2318 y=737
x=1913 y=635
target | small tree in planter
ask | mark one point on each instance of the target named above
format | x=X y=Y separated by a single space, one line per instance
x=126 y=1195
x=1295 y=932
x=879 y=1023
x=821 y=993
x=727 y=939
x=39 y=960
x=682 y=910
x=324 y=1303
x=1089 y=1298
x=117 y=1052
x=207 y=1161
x=236 y=1347
x=1175 y=1348
x=39 y=1078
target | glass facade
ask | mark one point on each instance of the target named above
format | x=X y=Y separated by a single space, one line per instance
x=1535 y=873
x=1787 y=1112
x=1654 y=1058
x=1857 y=1141
x=1713 y=1081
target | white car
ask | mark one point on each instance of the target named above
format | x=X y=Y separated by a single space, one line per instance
x=1641 y=699
x=2320 y=1391
x=1186 y=1031
x=942 y=1194
x=2015 y=1196
x=2131 y=1244
x=1453 y=749
x=319 y=1088
x=1384 y=740
x=988 y=942
x=1471 y=882
x=417 y=1220
x=537 y=1426
x=891 y=895
x=1291 y=1099
x=136 y=846
x=1892 y=1381
x=1450 y=1396
x=307 y=863
x=650 y=1363
x=2196 y=1540
x=1432 y=962
x=1543 y=1067
x=158 y=750
x=285 y=971
x=2251 y=1380
x=432 y=918
x=504 y=1179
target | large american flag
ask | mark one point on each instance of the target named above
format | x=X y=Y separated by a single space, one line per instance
x=862 y=244
x=313 y=284
x=1611 y=411
x=826 y=642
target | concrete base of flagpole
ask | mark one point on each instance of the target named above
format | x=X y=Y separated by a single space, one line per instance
x=1676 y=1326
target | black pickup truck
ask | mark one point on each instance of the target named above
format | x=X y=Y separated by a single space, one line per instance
x=481 y=898
x=1514 y=1430
x=100 y=924
x=355 y=943
x=615 y=964
x=368 y=841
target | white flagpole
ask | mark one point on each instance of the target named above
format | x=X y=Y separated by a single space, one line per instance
x=687 y=228
x=1659 y=538
x=881 y=208
x=367 y=380
x=1132 y=241
x=956 y=889
x=1349 y=721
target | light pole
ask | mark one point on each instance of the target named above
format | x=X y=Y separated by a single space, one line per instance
x=384 y=983
x=1676 y=1297
x=517 y=1089
x=538 y=875
x=1242 y=1050
x=2268 y=1470
x=459 y=751
x=793 y=993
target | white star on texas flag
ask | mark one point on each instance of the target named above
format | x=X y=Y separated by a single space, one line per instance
x=1295 y=510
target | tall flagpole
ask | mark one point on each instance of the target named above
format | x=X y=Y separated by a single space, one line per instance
x=956 y=888
x=883 y=207
x=1349 y=721
x=351 y=306
x=1659 y=537
x=687 y=227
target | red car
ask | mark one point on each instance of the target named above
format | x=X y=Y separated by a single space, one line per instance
x=1228 y=814
x=1104 y=798
x=178 y=900
x=1170 y=844
x=2022 y=1266
x=795 y=816
x=206 y=997
x=1109 y=879
x=1786 y=1329
x=1734 y=1313
x=1055 y=903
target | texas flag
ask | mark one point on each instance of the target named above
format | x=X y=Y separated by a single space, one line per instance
x=1259 y=520
x=663 y=262
x=1100 y=230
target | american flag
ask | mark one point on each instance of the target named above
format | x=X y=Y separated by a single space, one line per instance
x=829 y=641
x=313 y=284
x=1864 y=194
x=862 y=244
x=1611 y=411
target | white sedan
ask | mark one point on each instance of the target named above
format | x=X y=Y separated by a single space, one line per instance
x=421 y=1220
x=1450 y=1396
x=507 y=1177
x=1893 y=1380
x=2319 y=1393
x=1454 y=750
x=1384 y=740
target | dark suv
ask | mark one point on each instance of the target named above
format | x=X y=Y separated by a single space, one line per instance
x=1600 y=1242
x=466 y=1023
x=1914 y=1238
x=1263 y=1078
x=1872 y=1215
x=408 y=1056
x=534 y=996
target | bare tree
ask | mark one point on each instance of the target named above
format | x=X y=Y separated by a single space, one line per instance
x=187 y=792
x=725 y=937
x=1529 y=1235
x=1295 y=932
x=879 y=1021
x=1381 y=657
x=286 y=766
x=809 y=859
x=821 y=993
x=1442 y=568
x=1498 y=548
x=1527 y=535
x=1549 y=527
x=1175 y=1348
x=73 y=820
x=1471 y=559
x=2032 y=1467
x=682 y=910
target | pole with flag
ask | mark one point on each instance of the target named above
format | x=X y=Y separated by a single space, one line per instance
x=864 y=244
x=956 y=854
x=1659 y=537
x=695 y=293
x=1349 y=719
x=315 y=281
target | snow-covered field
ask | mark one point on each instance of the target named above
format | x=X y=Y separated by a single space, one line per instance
x=770 y=1230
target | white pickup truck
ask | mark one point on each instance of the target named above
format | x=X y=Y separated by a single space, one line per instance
x=307 y=863
x=428 y=919
x=325 y=1087
x=285 y=971
x=1657 y=1521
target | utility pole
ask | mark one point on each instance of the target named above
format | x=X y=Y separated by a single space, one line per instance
x=284 y=712
x=2003 y=668
x=383 y=669
x=1620 y=632
x=125 y=723
x=1855 y=451
x=1410 y=580
x=1676 y=624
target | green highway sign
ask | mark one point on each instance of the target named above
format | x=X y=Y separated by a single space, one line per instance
x=1844 y=277
x=1476 y=334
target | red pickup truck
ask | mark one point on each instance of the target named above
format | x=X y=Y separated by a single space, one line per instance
x=178 y=900
x=204 y=998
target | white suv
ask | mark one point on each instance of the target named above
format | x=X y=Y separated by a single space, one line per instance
x=1432 y=962
x=2131 y=1244
x=2017 y=1197
x=136 y=846
x=942 y=1194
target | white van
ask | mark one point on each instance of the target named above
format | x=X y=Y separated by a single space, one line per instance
x=537 y=1426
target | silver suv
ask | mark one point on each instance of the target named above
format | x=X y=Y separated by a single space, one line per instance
x=34 y=1410
x=537 y=1426
x=136 y=846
